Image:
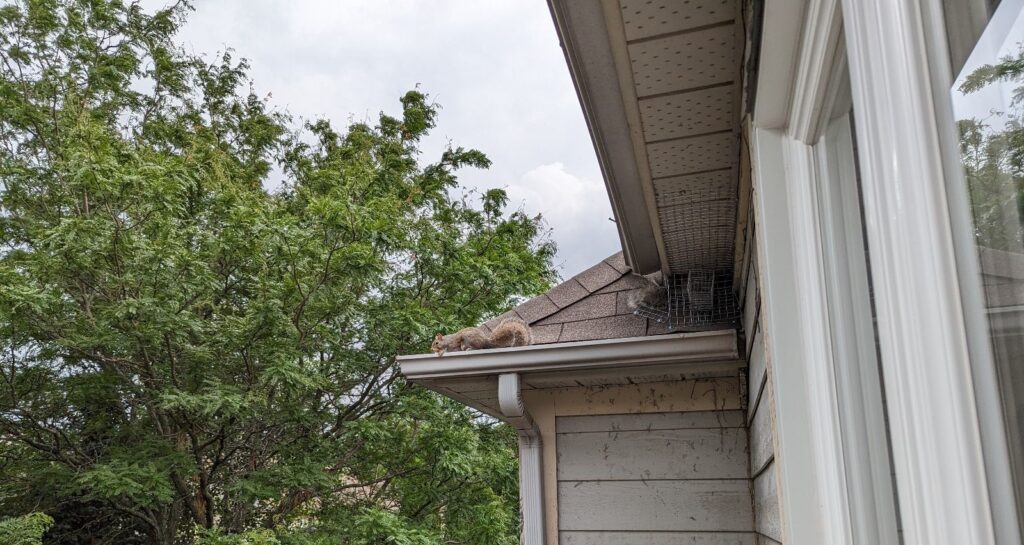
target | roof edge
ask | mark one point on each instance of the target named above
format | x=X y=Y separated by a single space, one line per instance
x=583 y=34
x=677 y=348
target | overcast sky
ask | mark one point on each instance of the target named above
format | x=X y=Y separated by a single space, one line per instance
x=495 y=67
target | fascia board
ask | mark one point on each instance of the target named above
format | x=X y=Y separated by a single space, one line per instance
x=588 y=52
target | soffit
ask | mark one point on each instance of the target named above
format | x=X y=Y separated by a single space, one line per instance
x=678 y=64
x=685 y=67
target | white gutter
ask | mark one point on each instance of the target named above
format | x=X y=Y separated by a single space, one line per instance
x=619 y=353
x=531 y=461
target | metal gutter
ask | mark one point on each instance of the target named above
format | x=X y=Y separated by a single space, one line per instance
x=619 y=353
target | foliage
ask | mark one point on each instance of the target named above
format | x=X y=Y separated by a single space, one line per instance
x=993 y=159
x=188 y=357
x=24 y=530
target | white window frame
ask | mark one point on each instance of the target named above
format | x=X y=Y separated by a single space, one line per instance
x=947 y=438
x=948 y=445
x=835 y=486
x=949 y=454
x=870 y=498
x=964 y=23
x=939 y=373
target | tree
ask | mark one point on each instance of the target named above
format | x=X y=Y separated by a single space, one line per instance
x=993 y=159
x=190 y=357
x=24 y=530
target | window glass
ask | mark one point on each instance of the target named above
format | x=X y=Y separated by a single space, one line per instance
x=988 y=101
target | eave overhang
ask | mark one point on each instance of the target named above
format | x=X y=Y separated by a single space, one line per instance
x=472 y=377
x=659 y=84
x=588 y=51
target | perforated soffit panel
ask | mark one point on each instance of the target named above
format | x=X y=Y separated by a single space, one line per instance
x=685 y=58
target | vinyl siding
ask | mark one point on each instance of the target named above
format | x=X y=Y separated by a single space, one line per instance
x=654 y=479
x=760 y=408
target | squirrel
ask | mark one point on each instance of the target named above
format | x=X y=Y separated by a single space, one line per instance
x=510 y=332
x=651 y=296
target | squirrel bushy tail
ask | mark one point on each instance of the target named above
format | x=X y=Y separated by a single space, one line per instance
x=511 y=332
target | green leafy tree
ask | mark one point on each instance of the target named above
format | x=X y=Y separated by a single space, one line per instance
x=188 y=357
x=24 y=530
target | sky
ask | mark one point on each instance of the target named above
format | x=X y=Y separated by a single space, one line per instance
x=494 y=66
x=1004 y=36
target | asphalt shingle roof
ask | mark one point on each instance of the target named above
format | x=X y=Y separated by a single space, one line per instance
x=589 y=306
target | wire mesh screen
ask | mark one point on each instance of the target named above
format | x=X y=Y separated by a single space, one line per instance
x=697 y=215
x=701 y=298
x=658 y=313
x=695 y=300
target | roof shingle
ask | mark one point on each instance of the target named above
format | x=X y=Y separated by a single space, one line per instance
x=612 y=327
x=589 y=306
x=566 y=293
x=595 y=305
x=598 y=276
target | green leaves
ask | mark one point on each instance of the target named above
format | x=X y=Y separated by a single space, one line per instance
x=377 y=525
x=251 y=537
x=141 y=483
x=25 y=530
x=190 y=358
x=213 y=400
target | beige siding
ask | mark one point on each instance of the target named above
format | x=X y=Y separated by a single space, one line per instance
x=654 y=479
x=657 y=538
x=702 y=403
x=760 y=410
x=762 y=451
x=766 y=504
x=642 y=506
x=757 y=364
x=654 y=454
x=653 y=421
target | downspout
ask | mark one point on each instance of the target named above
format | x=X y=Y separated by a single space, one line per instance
x=531 y=466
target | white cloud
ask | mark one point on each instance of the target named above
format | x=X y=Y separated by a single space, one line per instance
x=496 y=68
x=576 y=209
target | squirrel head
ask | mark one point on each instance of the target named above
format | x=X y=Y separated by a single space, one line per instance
x=437 y=346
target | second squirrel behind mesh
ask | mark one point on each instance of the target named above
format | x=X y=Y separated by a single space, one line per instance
x=651 y=296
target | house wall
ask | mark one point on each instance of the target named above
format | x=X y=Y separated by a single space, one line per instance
x=760 y=401
x=658 y=463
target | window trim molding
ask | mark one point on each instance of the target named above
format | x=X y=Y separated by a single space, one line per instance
x=833 y=488
x=933 y=413
x=788 y=338
x=870 y=493
x=946 y=29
